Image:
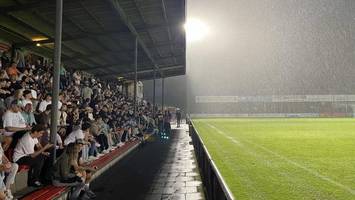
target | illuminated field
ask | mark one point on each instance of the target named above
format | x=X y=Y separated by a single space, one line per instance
x=283 y=158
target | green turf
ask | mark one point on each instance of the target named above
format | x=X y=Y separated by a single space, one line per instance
x=283 y=158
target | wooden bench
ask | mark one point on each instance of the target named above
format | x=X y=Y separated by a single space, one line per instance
x=52 y=192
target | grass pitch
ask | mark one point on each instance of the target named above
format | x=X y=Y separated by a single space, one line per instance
x=283 y=158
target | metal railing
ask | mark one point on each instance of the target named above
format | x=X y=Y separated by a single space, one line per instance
x=215 y=186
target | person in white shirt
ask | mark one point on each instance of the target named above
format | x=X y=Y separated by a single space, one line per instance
x=25 y=154
x=76 y=134
x=47 y=101
x=13 y=120
x=6 y=167
x=43 y=105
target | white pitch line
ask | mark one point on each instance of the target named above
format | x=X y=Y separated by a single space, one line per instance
x=313 y=172
x=223 y=134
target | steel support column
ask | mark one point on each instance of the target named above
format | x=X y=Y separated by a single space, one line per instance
x=162 y=93
x=135 y=74
x=56 y=69
x=154 y=77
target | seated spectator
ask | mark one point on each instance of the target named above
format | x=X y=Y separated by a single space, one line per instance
x=63 y=115
x=3 y=74
x=9 y=170
x=64 y=174
x=13 y=119
x=82 y=171
x=43 y=105
x=45 y=116
x=101 y=136
x=25 y=154
x=78 y=133
x=69 y=171
x=4 y=92
x=12 y=71
x=107 y=131
x=27 y=94
x=17 y=95
x=28 y=115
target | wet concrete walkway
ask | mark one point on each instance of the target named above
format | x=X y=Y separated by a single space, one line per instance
x=164 y=168
x=178 y=178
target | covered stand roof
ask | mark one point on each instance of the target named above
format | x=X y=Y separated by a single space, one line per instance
x=99 y=35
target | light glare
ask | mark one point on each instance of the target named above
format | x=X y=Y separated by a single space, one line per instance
x=195 y=29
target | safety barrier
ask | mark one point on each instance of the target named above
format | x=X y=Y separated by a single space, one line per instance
x=215 y=187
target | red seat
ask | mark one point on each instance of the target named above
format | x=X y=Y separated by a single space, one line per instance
x=9 y=153
x=46 y=193
x=23 y=168
x=51 y=192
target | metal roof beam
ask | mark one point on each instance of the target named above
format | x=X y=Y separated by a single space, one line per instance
x=91 y=35
x=33 y=29
x=112 y=52
x=140 y=13
x=146 y=70
x=21 y=7
x=168 y=28
x=125 y=19
x=120 y=65
x=123 y=66
x=172 y=67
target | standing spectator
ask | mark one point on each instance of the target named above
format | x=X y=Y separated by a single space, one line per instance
x=25 y=154
x=178 y=117
x=86 y=92
x=77 y=77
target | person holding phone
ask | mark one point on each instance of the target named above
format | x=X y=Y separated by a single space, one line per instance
x=25 y=154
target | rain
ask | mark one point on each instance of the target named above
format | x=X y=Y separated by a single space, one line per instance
x=263 y=47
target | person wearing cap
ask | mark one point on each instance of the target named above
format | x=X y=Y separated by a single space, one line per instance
x=13 y=120
x=25 y=154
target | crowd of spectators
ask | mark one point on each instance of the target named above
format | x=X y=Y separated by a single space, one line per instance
x=94 y=117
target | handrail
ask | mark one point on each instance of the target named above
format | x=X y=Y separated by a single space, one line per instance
x=216 y=187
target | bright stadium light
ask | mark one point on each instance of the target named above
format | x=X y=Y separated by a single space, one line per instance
x=195 y=29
